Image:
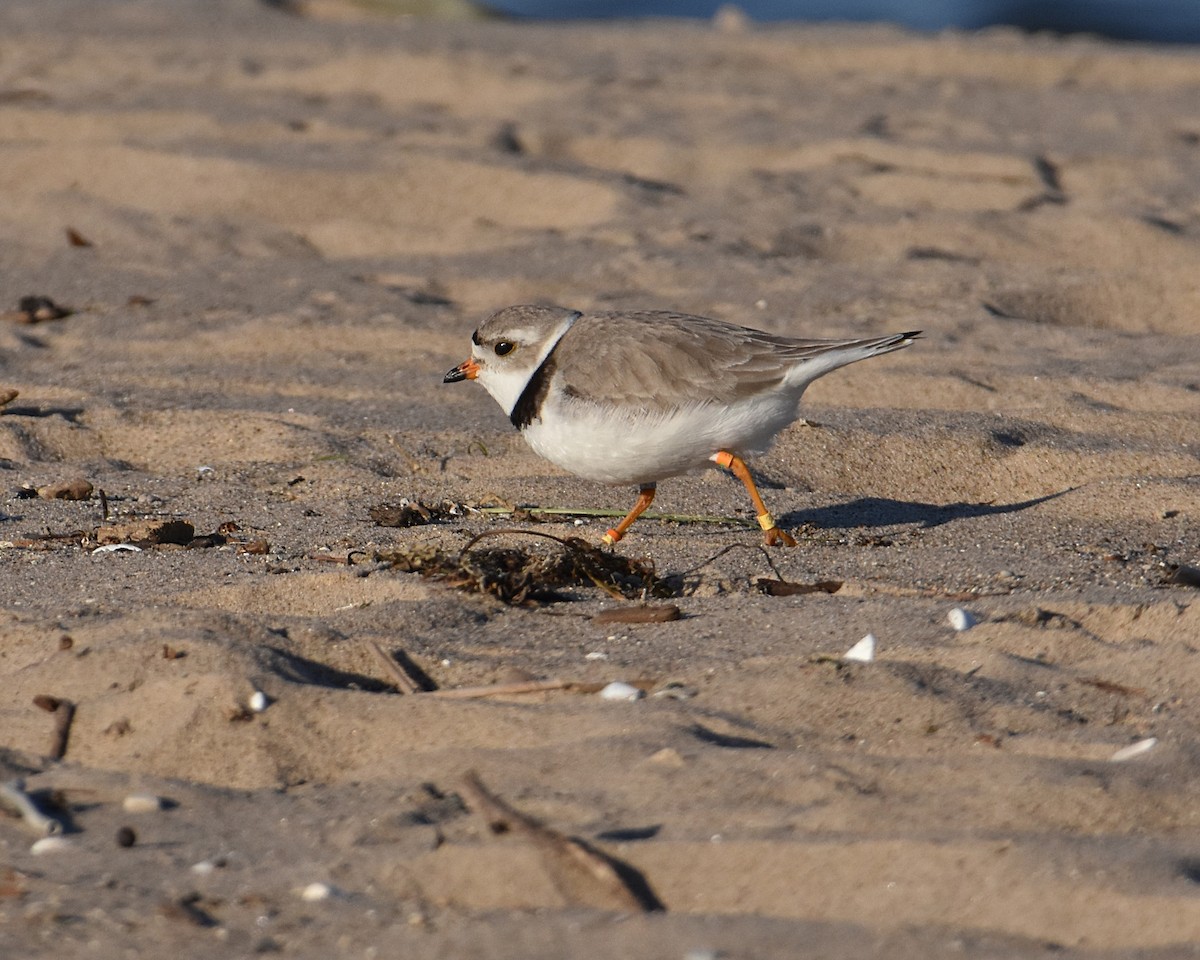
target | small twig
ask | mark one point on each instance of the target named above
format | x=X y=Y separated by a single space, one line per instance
x=659 y=613
x=402 y=680
x=63 y=716
x=583 y=875
x=347 y=560
x=103 y=504
x=781 y=588
x=64 y=713
x=501 y=689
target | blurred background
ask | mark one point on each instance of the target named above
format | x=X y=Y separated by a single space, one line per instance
x=1158 y=21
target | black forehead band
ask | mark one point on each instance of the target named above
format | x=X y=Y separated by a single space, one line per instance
x=475 y=338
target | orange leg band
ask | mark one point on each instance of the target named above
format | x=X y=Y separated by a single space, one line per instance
x=771 y=533
x=645 y=498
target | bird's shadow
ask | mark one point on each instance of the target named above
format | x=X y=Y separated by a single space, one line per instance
x=882 y=512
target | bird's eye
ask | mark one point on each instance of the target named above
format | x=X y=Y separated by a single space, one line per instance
x=504 y=347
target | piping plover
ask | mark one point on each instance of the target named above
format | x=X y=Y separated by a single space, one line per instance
x=634 y=398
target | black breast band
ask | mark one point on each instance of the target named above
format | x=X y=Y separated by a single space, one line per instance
x=529 y=404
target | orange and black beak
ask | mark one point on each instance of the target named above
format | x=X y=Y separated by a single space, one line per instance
x=467 y=370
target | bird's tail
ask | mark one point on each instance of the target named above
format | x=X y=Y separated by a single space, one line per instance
x=815 y=358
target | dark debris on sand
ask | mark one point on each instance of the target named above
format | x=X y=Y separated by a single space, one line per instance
x=525 y=577
x=413 y=513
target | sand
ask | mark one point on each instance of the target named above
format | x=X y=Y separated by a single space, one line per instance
x=284 y=231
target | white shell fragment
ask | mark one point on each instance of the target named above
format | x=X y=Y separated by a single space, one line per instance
x=1134 y=750
x=14 y=798
x=619 y=690
x=51 y=845
x=142 y=803
x=315 y=892
x=118 y=547
x=961 y=620
x=258 y=701
x=863 y=651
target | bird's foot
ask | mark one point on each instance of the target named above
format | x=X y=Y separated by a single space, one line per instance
x=778 y=538
x=772 y=535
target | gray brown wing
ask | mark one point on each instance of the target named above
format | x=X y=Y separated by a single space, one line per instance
x=659 y=360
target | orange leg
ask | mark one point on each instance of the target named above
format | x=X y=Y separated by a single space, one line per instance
x=645 y=498
x=772 y=535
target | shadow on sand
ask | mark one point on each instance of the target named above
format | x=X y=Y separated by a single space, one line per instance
x=882 y=512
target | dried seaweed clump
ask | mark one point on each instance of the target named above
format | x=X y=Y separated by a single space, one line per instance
x=518 y=576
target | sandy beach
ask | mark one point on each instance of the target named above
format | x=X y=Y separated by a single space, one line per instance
x=238 y=251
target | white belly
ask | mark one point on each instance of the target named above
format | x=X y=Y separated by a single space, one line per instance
x=618 y=448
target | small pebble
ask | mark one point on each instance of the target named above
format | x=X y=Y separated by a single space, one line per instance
x=315 y=892
x=259 y=701
x=126 y=837
x=667 y=757
x=142 y=803
x=961 y=620
x=51 y=845
x=619 y=690
x=863 y=651
x=595 y=655
x=1134 y=750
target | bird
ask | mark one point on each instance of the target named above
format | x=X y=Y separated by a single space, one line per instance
x=633 y=398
